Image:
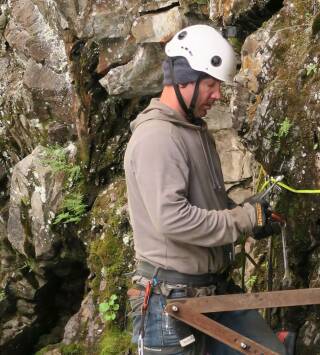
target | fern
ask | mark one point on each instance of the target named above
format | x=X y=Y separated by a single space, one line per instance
x=284 y=128
x=72 y=209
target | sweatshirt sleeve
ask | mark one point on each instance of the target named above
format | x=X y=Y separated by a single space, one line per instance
x=161 y=169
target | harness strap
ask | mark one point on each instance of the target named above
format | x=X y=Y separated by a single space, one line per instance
x=173 y=277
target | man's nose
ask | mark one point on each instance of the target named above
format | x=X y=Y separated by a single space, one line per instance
x=216 y=95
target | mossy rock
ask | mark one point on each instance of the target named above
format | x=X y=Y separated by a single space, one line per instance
x=115 y=342
x=63 y=349
x=111 y=252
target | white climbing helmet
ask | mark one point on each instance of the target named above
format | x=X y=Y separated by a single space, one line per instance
x=206 y=50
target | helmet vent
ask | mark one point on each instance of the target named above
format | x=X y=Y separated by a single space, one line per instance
x=216 y=61
x=182 y=35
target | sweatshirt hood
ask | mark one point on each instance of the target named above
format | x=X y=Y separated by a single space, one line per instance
x=160 y=111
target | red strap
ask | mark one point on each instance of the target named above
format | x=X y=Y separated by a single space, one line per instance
x=147 y=296
x=282 y=335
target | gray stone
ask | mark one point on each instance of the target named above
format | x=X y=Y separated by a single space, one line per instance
x=34 y=200
x=35 y=85
x=111 y=19
x=25 y=308
x=149 y=6
x=236 y=161
x=88 y=317
x=32 y=36
x=141 y=76
x=158 y=27
x=40 y=77
x=3 y=17
x=219 y=117
x=15 y=327
x=309 y=334
x=115 y=52
x=22 y=289
x=238 y=194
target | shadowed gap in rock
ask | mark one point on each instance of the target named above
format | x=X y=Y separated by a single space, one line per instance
x=248 y=22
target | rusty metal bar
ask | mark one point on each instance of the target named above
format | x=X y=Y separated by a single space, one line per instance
x=287 y=298
x=187 y=314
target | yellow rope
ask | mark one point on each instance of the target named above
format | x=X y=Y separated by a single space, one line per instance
x=303 y=191
x=262 y=174
x=296 y=191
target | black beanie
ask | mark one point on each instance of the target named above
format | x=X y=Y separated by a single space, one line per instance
x=183 y=73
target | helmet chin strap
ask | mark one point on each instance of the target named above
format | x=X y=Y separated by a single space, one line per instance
x=189 y=111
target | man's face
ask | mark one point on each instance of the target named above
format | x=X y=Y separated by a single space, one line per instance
x=209 y=92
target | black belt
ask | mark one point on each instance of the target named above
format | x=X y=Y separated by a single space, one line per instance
x=147 y=270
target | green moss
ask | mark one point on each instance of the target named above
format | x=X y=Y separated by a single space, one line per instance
x=115 y=342
x=236 y=43
x=109 y=256
x=71 y=349
x=2 y=295
x=316 y=24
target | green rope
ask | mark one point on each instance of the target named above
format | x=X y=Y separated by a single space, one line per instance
x=281 y=184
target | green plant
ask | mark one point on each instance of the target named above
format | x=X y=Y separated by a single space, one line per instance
x=311 y=68
x=202 y=2
x=109 y=308
x=251 y=281
x=2 y=295
x=72 y=209
x=284 y=128
x=29 y=264
x=55 y=157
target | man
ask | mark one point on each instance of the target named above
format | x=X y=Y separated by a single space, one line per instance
x=184 y=225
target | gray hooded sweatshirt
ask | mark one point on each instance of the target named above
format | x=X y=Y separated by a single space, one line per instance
x=179 y=209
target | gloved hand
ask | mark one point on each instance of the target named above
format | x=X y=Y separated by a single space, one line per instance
x=256 y=198
x=269 y=229
x=265 y=226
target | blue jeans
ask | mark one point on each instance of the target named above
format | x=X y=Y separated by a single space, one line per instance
x=163 y=333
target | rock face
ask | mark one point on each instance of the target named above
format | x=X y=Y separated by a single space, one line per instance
x=276 y=112
x=34 y=200
x=274 y=118
x=80 y=71
x=45 y=264
x=237 y=162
